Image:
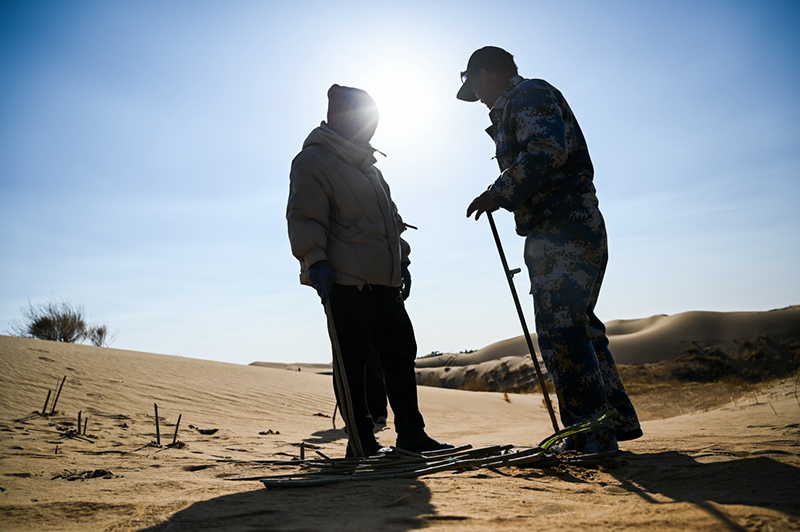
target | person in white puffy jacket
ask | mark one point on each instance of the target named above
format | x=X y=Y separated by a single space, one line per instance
x=345 y=231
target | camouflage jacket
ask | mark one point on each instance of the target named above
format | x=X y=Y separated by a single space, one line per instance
x=545 y=167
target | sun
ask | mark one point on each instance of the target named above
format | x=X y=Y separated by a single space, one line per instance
x=401 y=100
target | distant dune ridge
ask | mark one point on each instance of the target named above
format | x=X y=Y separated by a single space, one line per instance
x=505 y=365
x=715 y=455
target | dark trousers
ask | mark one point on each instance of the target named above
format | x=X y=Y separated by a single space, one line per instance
x=376 y=388
x=375 y=317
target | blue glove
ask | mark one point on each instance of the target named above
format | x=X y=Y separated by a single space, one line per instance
x=320 y=274
x=405 y=290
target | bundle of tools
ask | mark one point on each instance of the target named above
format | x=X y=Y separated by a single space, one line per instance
x=397 y=463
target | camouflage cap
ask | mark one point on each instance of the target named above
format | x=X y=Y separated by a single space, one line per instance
x=482 y=58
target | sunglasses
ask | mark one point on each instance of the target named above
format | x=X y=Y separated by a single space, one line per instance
x=467 y=73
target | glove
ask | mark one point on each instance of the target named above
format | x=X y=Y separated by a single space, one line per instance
x=320 y=274
x=405 y=290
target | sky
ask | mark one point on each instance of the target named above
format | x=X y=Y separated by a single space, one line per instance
x=145 y=150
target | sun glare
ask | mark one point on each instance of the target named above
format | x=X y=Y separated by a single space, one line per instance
x=402 y=102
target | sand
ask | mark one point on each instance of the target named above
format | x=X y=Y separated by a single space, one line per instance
x=721 y=455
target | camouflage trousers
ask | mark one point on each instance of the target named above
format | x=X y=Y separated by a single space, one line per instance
x=566 y=261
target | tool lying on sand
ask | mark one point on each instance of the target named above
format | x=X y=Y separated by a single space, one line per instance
x=403 y=464
x=510 y=278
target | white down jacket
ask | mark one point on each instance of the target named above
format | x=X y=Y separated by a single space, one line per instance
x=340 y=210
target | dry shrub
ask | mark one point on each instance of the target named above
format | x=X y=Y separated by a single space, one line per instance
x=60 y=321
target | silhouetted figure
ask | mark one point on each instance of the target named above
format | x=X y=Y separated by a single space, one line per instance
x=546 y=180
x=345 y=230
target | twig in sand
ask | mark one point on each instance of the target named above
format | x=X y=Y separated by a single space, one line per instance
x=79 y=422
x=158 y=430
x=178 y=424
x=302 y=450
x=145 y=446
x=85 y=424
x=75 y=435
x=58 y=394
x=329 y=459
x=47 y=400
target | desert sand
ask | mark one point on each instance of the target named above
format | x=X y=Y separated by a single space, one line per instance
x=721 y=449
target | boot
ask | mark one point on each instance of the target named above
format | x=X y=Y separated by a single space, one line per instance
x=420 y=443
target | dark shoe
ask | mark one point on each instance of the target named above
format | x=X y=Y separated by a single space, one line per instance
x=562 y=446
x=421 y=444
x=599 y=442
x=370 y=448
x=626 y=435
x=379 y=423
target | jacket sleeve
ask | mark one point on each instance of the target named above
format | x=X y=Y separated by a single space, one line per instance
x=308 y=210
x=535 y=121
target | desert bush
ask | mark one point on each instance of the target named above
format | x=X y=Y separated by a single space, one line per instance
x=60 y=321
x=100 y=336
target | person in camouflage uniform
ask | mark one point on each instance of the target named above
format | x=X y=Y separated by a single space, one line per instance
x=546 y=180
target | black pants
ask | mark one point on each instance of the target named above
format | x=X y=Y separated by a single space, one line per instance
x=375 y=317
x=376 y=388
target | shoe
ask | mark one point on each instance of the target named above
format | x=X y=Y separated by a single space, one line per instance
x=600 y=442
x=567 y=444
x=370 y=448
x=627 y=435
x=421 y=444
x=379 y=423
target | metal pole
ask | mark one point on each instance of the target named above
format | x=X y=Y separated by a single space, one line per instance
x=340 y=382
x=509 y=278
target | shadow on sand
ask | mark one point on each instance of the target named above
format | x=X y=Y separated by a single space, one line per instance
x=386 y=505
x=327 y=436
x=672 y=477
x=663 y=478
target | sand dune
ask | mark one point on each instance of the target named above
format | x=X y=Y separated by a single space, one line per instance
x=659 y=337
x=505 y=364
x=666 y=337
x=729 y=464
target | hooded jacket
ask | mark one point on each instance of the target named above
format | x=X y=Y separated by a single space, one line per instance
x=340 y=210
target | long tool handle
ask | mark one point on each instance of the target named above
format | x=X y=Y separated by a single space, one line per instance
x=340 y=382
x=522 y=322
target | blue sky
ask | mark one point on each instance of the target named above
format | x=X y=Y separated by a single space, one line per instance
x=145 y=149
